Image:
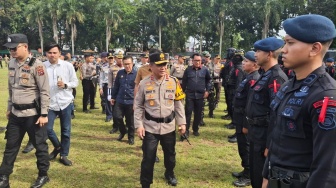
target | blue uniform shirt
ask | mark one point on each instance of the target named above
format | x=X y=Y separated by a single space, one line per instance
x=123 y=89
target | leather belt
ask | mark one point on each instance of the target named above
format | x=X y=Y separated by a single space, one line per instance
x=167 y=119
x=23 y=106
x=262 y=121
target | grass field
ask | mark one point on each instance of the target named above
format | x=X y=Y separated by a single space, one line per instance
x=99 y=160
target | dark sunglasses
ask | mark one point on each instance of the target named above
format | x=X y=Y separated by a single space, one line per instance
x=14 y=49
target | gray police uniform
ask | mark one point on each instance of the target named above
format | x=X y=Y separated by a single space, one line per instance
x=177 y=70
x=28 y=99
x=87 y=71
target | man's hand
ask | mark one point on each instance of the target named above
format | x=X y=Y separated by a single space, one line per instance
x=245 y=130
x=81 y=77
x=101 y=91
x=206 y=94
x=141 y=132
x=264 y=183
x=60 y=84
x=112 y=101
x=182 y=129
x=42 y=121
x=266 y=152
x=7 y=114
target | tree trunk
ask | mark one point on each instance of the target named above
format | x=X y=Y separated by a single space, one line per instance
x=72 y=39
x=40 y=32
x=266 y=21
x=108 y=35
x=55 y=31
x=221 y=34
x=160 y=35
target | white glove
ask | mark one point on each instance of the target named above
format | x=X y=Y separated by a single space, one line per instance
x=109 y=97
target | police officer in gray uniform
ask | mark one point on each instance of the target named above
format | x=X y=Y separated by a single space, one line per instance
x=27 y=109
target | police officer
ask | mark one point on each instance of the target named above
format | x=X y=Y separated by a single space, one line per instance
x=195 y=81
x=216 y=76
x=330 y=67
x=87 y=71
x=178 y=68
x=302 y=149
x=260 y=96
x=233 y=79
x=157 y=106
x=27 y=109
x=143 y=61
x=103 y=86
x=111 y=79
x=224 y=74
x=239 y=117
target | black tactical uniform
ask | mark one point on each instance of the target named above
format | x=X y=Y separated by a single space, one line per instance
x=258 y=117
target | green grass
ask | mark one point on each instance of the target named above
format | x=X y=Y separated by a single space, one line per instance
x=99 y=160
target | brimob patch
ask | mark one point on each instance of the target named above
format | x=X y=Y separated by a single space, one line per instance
x=291 y=126
x=329 y=122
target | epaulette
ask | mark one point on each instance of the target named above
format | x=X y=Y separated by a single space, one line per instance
x=32 y=61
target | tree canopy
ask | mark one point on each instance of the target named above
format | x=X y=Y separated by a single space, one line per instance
x=138 y=25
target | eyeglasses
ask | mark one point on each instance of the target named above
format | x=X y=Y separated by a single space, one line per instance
x=196 y=61
x=14 y=49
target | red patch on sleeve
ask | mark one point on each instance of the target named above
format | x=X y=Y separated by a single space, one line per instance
x=40 y=70
x=275 y=86
x=252 y=82
x=318 y=104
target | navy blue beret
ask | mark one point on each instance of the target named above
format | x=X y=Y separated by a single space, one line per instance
x=310 y=28
x=250 y=56
x=330 y=60
x=104 y=54
x=268 y=44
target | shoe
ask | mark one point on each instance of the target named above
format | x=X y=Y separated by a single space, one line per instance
x=211 y=116
x=171 y=180
x=29 y=147
x=120 y=137
x=94 y=108
x=242 y=182
x=231 y=136
x=114 y=130
x=226 y=117
x=233 y=140
x=65 y=161
x=87 y=111
x=131 y=141
x=2 y=129
x=230 y=126
x=4 y=181
x=54 y=153
x=73 y=116
x=108 y=119
x=238 y=174
x=41 y=180
x=157 y=159
x=202 y=123
x=196 y=133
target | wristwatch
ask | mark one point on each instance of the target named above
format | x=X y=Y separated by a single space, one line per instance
x=65 y=86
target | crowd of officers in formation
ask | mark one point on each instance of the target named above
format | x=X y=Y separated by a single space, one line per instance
x=279 y=99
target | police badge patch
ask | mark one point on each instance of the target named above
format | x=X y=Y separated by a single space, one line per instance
x=329 y=121
x=40 y=70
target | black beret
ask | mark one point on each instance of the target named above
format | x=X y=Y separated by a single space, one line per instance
x=310 y=28
x=14 y=40
x=250 y=56
x=158 y=58
x=268 y=44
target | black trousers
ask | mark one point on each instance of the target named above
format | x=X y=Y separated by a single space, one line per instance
x=149 y=148
x=226 y=95
x=121 y=111
x=257 y=160
x=230 y=96
x=195 y=105
x=107 y=104
x=16 y=129
x=88 y=92
x=239 y=119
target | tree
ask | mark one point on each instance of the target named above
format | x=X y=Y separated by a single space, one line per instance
x=73 y=14
x=111 y=14
x=53 y=6
x=34 y=13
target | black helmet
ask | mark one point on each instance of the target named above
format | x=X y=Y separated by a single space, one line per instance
x=230 y=52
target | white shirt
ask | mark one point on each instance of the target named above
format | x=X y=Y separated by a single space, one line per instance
x=61 y=98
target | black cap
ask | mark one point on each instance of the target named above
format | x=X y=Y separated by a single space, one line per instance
x=145 y=55
x=158 y=58
x=14 y=40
